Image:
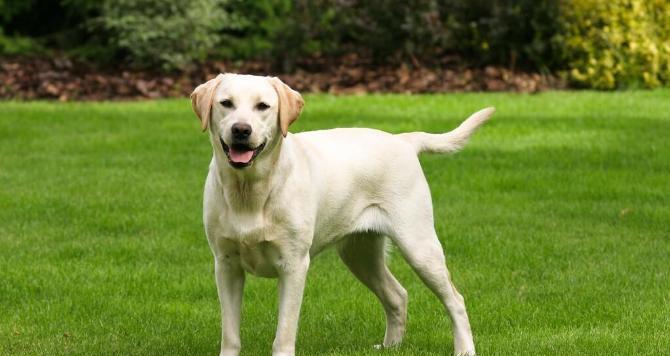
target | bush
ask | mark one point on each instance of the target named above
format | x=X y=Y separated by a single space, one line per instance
x=17 y=45
x=178 y=32
x=392 y=31
x=611 y=44
x=172 y=34
x=264 y=29
x=31 y=26
x=602 y=44
x=503 y=32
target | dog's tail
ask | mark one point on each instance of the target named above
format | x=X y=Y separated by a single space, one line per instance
x=451 y=141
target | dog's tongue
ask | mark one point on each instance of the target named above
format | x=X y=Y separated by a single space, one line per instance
x=240 y=156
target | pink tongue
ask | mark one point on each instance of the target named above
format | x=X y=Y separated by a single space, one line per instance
x=240 y=156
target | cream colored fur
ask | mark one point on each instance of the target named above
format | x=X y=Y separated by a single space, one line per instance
x=347 y=188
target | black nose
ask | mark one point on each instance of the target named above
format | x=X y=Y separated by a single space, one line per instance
x=241 y=131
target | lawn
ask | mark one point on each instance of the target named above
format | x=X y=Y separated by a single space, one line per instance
x=555 y=220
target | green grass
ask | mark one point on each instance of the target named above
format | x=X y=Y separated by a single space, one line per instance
x=555 y=221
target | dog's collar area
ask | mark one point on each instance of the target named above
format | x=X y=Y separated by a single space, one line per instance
x=241 y=147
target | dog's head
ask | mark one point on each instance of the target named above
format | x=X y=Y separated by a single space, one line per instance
x=245 y=113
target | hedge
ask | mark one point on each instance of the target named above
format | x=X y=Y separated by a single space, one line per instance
x=604 y=44
x=616 y=43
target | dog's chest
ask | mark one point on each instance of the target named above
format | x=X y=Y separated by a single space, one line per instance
x=246 y=226
x=254 y=239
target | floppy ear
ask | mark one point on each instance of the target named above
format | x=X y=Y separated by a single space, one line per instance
x=290 y=104
x=202 y=99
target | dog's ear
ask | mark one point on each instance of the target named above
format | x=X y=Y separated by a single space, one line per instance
x=202 y=99
x=290 y=104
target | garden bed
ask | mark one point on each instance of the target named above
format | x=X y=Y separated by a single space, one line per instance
x=64 y=79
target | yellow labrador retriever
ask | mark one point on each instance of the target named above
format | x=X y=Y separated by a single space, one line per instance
x=273 y=200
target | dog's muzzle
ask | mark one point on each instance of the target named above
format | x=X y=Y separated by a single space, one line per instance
x=241 y=155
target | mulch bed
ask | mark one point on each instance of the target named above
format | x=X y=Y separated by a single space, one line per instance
x=64 y=79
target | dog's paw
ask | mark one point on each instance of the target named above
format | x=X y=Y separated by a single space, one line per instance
x=230 y=352
x=383 y=347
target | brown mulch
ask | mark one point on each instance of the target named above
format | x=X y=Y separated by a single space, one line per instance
x=64 y=79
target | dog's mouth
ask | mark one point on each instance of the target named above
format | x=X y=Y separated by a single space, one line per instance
x=241 y=155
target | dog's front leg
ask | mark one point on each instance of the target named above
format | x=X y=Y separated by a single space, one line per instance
x=292 y=277
x=230 y=285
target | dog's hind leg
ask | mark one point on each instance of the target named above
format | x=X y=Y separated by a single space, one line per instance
x=364 y=255
x=422 y=250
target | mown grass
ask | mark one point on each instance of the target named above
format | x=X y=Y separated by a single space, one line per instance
x=555 y=221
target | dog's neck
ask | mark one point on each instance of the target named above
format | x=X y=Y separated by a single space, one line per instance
x=250 y=188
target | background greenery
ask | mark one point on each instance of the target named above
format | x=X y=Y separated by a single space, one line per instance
x=554 y=221
x=603 y=44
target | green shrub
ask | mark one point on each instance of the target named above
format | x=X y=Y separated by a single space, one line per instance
x=172 y=34
x=261 y=30
x=11 y=44
x=503 y=32
x=283 y=31
x=611 y=44
x=59 y=25
x=18 y=45
x=602 y=44
x=9 y=8
x=390 y=31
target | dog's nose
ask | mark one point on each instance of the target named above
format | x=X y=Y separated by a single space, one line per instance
x=241 y=131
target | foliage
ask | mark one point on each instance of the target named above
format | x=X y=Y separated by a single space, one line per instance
x=508 y=32
x=265 y=29
x=391 y=31
x=617 y=43
x=57 y=25
x=9 y=8
x=13 y=45
x=145 y=33
x=597 y=43
x=173 y=33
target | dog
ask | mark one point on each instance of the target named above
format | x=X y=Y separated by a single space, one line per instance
x=273 y=200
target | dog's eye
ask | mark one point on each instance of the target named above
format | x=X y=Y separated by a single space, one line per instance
x=226 y=103
x=262 y=106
